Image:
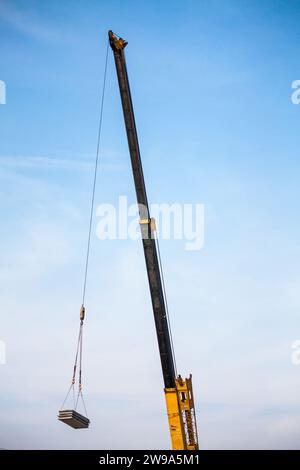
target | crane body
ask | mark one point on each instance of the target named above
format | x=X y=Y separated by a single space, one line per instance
x=178 y=392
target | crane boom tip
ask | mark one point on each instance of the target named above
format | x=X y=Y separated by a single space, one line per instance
x=116 y=42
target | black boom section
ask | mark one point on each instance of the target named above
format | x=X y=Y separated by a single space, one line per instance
x=149 y=244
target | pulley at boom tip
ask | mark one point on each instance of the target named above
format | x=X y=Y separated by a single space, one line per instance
x=116 y=42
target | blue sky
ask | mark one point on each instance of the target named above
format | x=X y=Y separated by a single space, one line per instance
x=211 y=84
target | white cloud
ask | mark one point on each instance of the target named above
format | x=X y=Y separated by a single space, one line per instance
x=47 y=163
x=29 y=23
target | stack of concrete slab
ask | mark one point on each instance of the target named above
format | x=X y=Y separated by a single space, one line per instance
x=73 y=419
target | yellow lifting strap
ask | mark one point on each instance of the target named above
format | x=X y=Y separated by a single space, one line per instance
x=82 y=313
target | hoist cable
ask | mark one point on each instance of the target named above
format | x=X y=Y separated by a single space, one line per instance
x=74 y=399
x=76 y=356
x=95 y=177
x=74 y=370
x=80 y=368
x=82 y=311
x=80 y=395
x=66 y=397
x=166 y=302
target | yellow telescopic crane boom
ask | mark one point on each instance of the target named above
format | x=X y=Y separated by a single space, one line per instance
x=178 y=392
